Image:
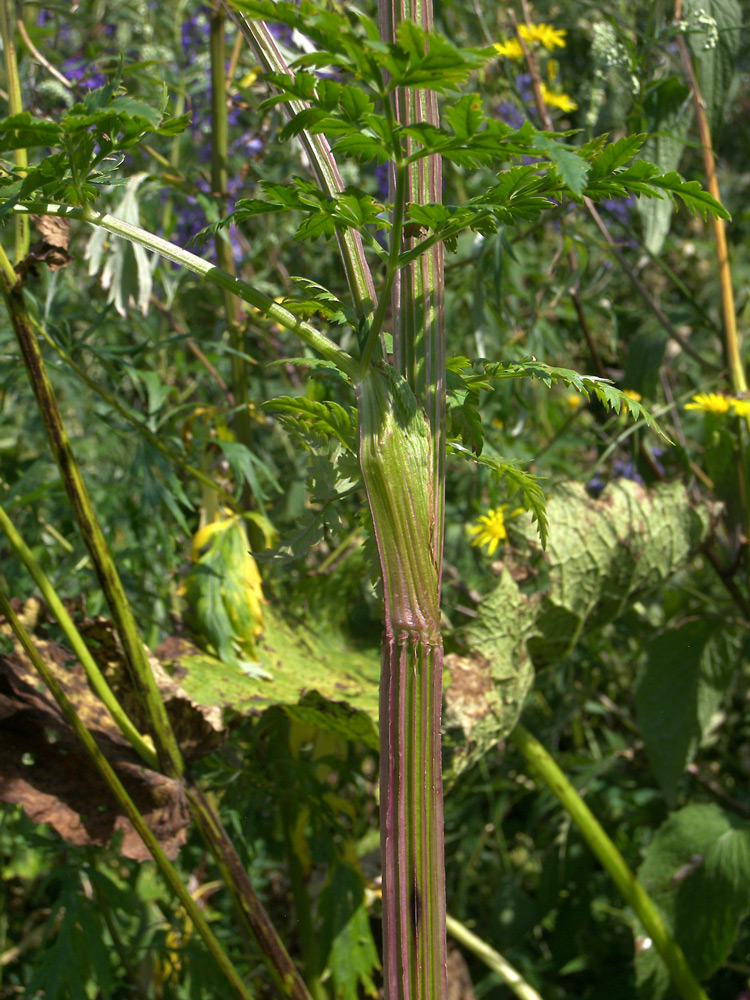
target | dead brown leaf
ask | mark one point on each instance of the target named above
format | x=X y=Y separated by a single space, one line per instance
x=44 y=768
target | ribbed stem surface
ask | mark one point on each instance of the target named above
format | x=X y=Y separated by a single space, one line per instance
x=414 y=950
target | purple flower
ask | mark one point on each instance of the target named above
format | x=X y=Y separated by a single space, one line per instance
x=81 y=73
x=510 y=114
x=525 y=88
x=381 y=177
x=595 y=485
x=619 y=208
x=626 y=470
x=194 y=34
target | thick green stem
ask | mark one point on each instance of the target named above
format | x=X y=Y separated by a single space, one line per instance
x=412 y=849
x=115 y=785
x=312 y=337
x=402 y=454
x=417 y=300
x=542 y=763
x=141 y=674
x=96 y=679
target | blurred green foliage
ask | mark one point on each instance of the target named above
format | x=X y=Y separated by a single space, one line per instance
x=647 y=713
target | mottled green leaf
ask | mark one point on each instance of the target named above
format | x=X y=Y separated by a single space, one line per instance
x=602 y=553
x=323 y=678
x=489 y=682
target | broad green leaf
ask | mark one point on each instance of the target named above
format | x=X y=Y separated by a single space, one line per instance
x=126 y=267
x=249 y=468
x=74 y=958
x=669 y=108
x=698 y=660
x=697 y=871
x=645 y=355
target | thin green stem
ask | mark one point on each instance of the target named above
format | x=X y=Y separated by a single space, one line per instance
x=96 y=679
x=224 y=256
x=391 y=270
x=249 y=907
x=15 y=107
x=543 y=764
x=492 y=959
x=115 y=785
x=314 y=338
x=141 y=674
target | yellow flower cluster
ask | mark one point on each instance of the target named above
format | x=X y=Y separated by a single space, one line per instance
x=713 y=402
x=546 y=34
x=550 y=38
x=558 y=100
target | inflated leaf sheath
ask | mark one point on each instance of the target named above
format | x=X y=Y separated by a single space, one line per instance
x=395 y=442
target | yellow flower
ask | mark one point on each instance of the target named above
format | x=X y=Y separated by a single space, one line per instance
x=741 y=407
x=490 y=530
x=547 y=34
x=574 y=401
x=510 y=49
x=710 y=402
x=632 y=394
x=561 y=101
